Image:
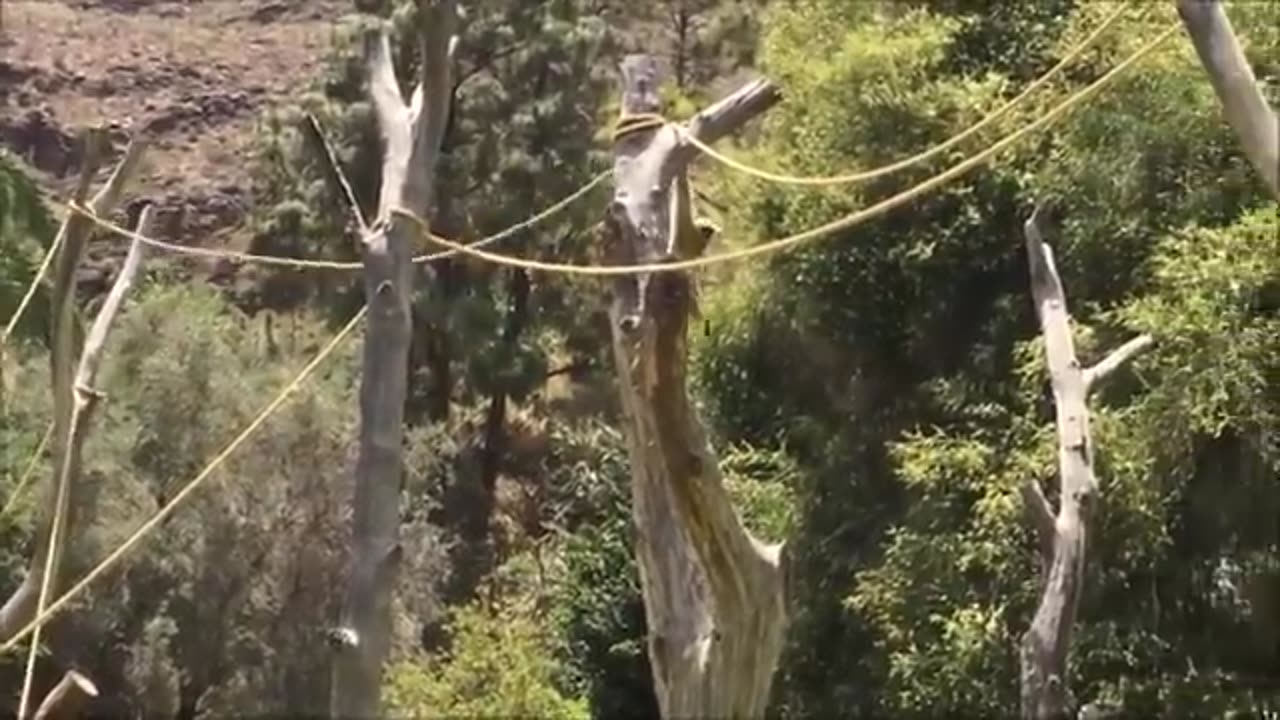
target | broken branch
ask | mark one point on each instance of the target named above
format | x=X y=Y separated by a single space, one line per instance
x=67 y=698
x=1041 y=516
x=1118 y=357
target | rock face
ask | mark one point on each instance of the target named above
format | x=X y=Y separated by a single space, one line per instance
x=197 y=74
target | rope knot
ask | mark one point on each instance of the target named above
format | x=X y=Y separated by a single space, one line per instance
x=635 y=123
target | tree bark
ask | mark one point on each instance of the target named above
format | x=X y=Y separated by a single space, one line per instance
x=73 y=399
x=1242 y=102
x=713 y=594
x=411 y=135
x=1046 y=646
x=47 y=562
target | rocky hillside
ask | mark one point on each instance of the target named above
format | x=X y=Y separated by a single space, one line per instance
x=197 y=73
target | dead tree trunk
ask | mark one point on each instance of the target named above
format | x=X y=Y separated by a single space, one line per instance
x=70 y=416
x=1046 y=645
x=713 y=594
x=411 y=135
x=1242 y=102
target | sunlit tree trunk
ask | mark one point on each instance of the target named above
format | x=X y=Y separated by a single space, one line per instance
x=1046 y=646
x=411 y=134
x=713 y=594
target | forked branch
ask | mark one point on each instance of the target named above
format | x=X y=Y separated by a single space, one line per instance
x=69 y=432
x=1046 y=646
x=1041 y=516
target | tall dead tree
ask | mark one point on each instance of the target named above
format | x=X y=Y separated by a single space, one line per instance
x=1046 y=645
x=411 y=135
x=73 y=398
x=1245 y=108
x=713 y=594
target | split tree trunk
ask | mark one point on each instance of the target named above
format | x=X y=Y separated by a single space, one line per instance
x=1046 y=646
x=714 y=596
x=411 y=135
x=1237 y=88
x=68 y=395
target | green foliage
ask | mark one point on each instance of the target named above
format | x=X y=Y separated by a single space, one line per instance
x=26 y=228
x=762 y=485
x=501 y=665
x=898 y=362
x=598 y=606
x=194 y=617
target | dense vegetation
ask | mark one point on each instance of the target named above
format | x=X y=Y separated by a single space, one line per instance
x=878 y=397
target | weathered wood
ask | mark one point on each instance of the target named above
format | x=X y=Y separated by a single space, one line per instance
x=86 y=399
x=1046 y=645
x=714 y=599
x=411 y=136
x=67 y=698
x=19 y=609
x=1233 y=80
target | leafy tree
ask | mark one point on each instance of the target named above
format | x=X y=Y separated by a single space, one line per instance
x=222 y=608
x=501 y=663
x=527 y=102
x=890 y=359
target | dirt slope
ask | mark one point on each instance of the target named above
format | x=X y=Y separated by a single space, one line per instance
x=198 y=74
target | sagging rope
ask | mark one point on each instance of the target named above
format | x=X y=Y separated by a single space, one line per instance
x=336 y=264
x=164 y=512
x=634 y=123
x=921 y=157
x=827 y=229
x=850 y=220
x=61 y=502
x=31 y=289
x=27 y=474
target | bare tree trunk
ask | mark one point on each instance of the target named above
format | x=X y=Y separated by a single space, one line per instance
x=1233 y=80
x=714 y=596
x=72 y=398
x=411 y=135
x=1046 y=645
x=86 y=399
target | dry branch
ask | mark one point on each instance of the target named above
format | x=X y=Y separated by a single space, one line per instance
x=713 y=594
x=1046 y=645
x=1233 y=80
x=411 y=136
x=67 y=698
x=1121 y=355
x=73 y=398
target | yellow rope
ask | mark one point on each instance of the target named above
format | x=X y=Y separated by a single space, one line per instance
x=27 y=474
x=637 y=122
x=31 y=289
x=154 y=521
x=927 y=154
x=335 y=264
x=833 y=226
x=61 y=503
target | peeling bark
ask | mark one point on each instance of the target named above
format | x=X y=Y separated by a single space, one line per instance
x=73 y=397
x=714 y=595
x=1046 y=646
x=411 y=135
x=1233 y=80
